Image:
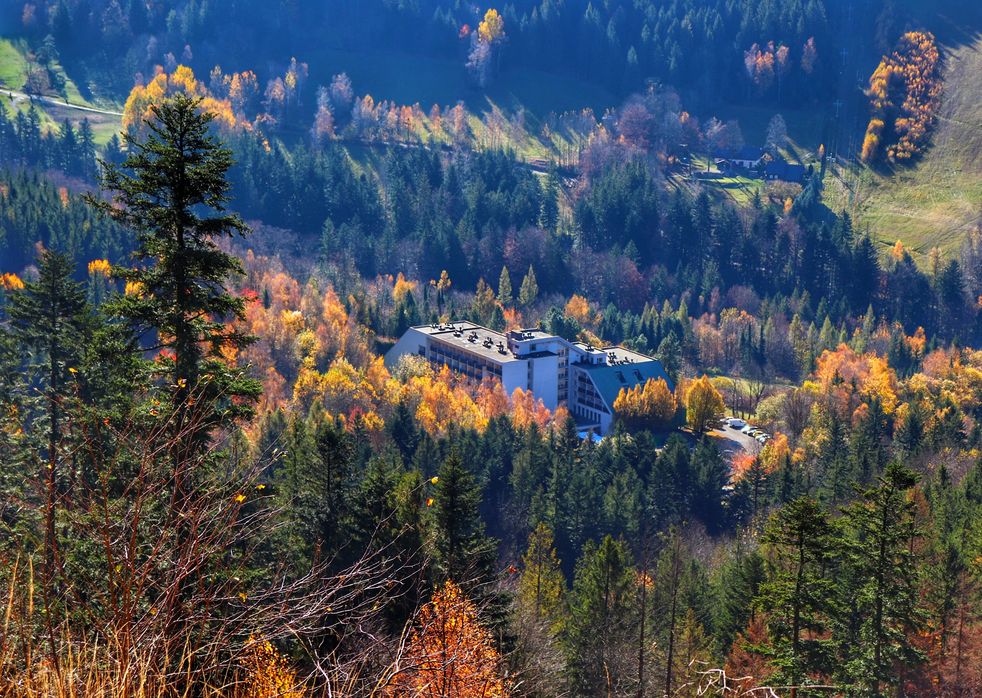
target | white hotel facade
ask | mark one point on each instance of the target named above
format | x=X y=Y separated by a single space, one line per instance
x=583 y=378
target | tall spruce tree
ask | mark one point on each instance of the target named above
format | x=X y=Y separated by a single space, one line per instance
x=47 y=322
x=881 y=587
x=172 y=191
x=463 y=552
x=600 y=630
x=799 y=594
x=504 y=287
x=529 y=290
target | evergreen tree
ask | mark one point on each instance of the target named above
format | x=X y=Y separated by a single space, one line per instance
x=163 y=190
x=461 y=549
x=599 y=636
x=798 y=594
x=736 y=583
x=48 y=319
x=541 y=588
x=711 y=474
x=549 y=213
x=881 y=586
x=504 y=287
x=529 y=290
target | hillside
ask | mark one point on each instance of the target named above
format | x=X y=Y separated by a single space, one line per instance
x=935 y=201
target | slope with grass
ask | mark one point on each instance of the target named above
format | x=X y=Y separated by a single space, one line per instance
x=54 y=108
x=937 y=199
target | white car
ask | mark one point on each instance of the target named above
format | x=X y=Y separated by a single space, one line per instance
x=735 y=423
x=747 y=429
x=763 y=438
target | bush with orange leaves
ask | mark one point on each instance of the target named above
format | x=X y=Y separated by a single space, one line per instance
x=10 y=282
x=648 y=406
x=267 y=674
x=450 y=654
x=950 y=376
x=905 y=94
x=443 y=400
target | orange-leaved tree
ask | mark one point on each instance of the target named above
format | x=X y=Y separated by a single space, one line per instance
x=450 y=654
x=648 y=406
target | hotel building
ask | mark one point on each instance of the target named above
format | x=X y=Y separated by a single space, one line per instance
x=585 y=379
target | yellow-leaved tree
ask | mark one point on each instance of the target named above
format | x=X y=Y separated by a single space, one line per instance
x=492 y=27
x=450 y=654
x=703 y=405
x=648 y=406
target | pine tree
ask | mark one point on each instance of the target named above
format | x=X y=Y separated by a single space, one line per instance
x=881 y=584
x=163 y=192
x=799 y=594
x=48 y=319
x=504 y=287
x=600 y=630
x=549 y=213
x=462 y=551
x=736 y=583
x=712 y=473
x=529 y=290
x=669 y=604
x=541 y=588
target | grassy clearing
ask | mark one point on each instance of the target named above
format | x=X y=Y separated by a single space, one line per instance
x=935 y=201
x=13 y=71
x=13 y=65
x=720 y=186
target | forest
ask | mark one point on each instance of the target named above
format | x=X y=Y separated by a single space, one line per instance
x=212 y=483
x=701 y=43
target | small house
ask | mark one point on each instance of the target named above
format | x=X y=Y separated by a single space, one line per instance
x=784 y=171
x=747 y=157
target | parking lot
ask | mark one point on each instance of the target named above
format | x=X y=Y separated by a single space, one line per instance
x=734 y=440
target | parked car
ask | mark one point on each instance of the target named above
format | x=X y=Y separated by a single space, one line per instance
x=763 y=438
x=747 y=429
x=735 y=423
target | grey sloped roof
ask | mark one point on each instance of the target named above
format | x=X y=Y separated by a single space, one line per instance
x=747 y=152
x=785 y=170
x=607 y=379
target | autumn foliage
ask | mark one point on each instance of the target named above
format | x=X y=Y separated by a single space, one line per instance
x=904 y=93
x=650 y=406
x=450 y=654
x=268 y=673
x=182 y=80
x=703 y=405
x=848 y=378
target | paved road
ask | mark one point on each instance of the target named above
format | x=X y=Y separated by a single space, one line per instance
x=20 y=97
x=734 y=440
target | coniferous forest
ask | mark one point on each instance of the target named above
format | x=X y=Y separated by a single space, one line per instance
x=212 y=482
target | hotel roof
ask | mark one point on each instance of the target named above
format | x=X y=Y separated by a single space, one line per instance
x=610 y=378
x=472 y=338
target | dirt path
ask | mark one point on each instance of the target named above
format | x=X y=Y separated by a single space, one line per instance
x=20 y=97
